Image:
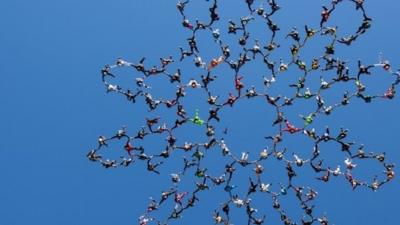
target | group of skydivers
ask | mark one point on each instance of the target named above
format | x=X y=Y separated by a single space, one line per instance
x=184 y=200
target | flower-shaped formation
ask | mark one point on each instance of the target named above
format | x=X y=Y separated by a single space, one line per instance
x=196 y=152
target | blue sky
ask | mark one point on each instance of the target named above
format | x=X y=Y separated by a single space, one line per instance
x=53 y=107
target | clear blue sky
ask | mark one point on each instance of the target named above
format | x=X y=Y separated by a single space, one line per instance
x=53 y=107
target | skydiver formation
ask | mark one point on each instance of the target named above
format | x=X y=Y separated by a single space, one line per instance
x=196 y=152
